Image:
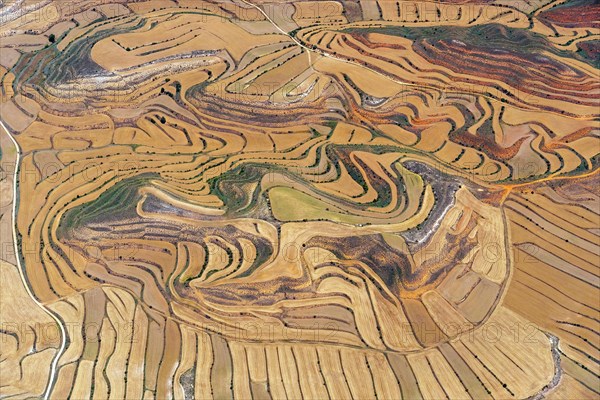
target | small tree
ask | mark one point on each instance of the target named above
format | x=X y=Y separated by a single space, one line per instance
x=52 y=38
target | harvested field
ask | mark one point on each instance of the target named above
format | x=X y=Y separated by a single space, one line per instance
x=365 y=199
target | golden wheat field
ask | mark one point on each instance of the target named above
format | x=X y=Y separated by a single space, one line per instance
x=279 y=199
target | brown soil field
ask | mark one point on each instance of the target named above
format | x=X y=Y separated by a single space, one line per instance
x=248 y=199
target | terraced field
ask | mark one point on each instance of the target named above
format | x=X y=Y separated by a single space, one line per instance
x=259 y=199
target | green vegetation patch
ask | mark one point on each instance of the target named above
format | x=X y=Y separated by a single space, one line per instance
x=289 y=204
x=118 y=200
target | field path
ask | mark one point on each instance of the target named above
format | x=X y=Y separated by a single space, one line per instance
x=281 y=30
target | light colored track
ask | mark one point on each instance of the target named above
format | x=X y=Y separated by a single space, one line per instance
x=20 y=267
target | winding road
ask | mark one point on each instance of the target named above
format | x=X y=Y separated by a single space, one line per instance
x=20 y=267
